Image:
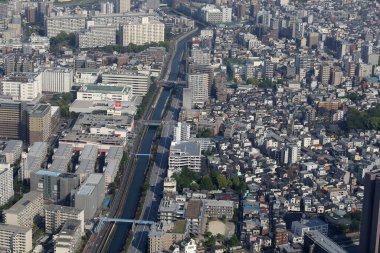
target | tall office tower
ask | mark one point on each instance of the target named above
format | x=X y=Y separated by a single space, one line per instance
x=15 y=238
x=39 y=123
x=153 y=4
x=123 y=6
x=366 y=50
x=90 y=195
x=268 y=69
x=313 y=39
x=293 y=153
x=255 y=7
x=241 y=11
x=142 y=32
x=13 y=119
x=370 y=221
x=198 y=85
x=324 y=74
x=181 y=132
x=6 y=183
x=106 y=8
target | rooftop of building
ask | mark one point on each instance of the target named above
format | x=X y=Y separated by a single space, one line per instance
x=26 y=200
x=63 y=209
x=14 y=229
x=193 y=209
x=186 y=147
x=324 y=242
x=40 y=110
x=105 y=89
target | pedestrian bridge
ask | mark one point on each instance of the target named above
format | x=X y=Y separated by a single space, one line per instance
x=102 y=220
x=156 y=123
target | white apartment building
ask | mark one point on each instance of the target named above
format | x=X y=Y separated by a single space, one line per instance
x=15 y=239
x=22 y=86
x=104 y=93
x=181 y=132
x=65 y=23
x=184 y=154
x=139 y=83
x=107 y=8
x=214 y=15
x=6 y=183
x=72 y=24
x=142 y=32
x=69 y=238
x=57 y=215
x=198 y=83
x=24 y=212
x=57 y=80
x=117 y=19
x=97 y=36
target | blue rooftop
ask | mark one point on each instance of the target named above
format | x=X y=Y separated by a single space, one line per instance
x=48 y=173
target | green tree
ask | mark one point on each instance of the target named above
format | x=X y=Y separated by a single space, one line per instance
x=233 y=241
x=253 y=81
x=206 y=183
x=186 y=178
x=221 y=181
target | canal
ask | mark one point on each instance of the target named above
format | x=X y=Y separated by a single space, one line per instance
x=121 y=230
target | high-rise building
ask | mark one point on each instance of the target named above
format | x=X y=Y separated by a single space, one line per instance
x=181 y=132
x=25 y=211
x=13 y=119
x=97 y=36
x=370 y=228
x=55 y=186
x=313 y=39
x=142 y=32
x=69 y=238
x=268 y=69
x=10 y=151
x=203 y=69
x=6 y=183
x=32 y=160
x=107 y=8
x=57 y=215
x=57 y=80
x=241 y=11
x=198 y=83
x=324 y=74
x=39 y=123
x=139 y=83
x=184 y=154
x=366 y=51
x=15 y=239
x=123 y=6
x=90 y=195
x=22 y=86
x=200 y=56
x=162 y=236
